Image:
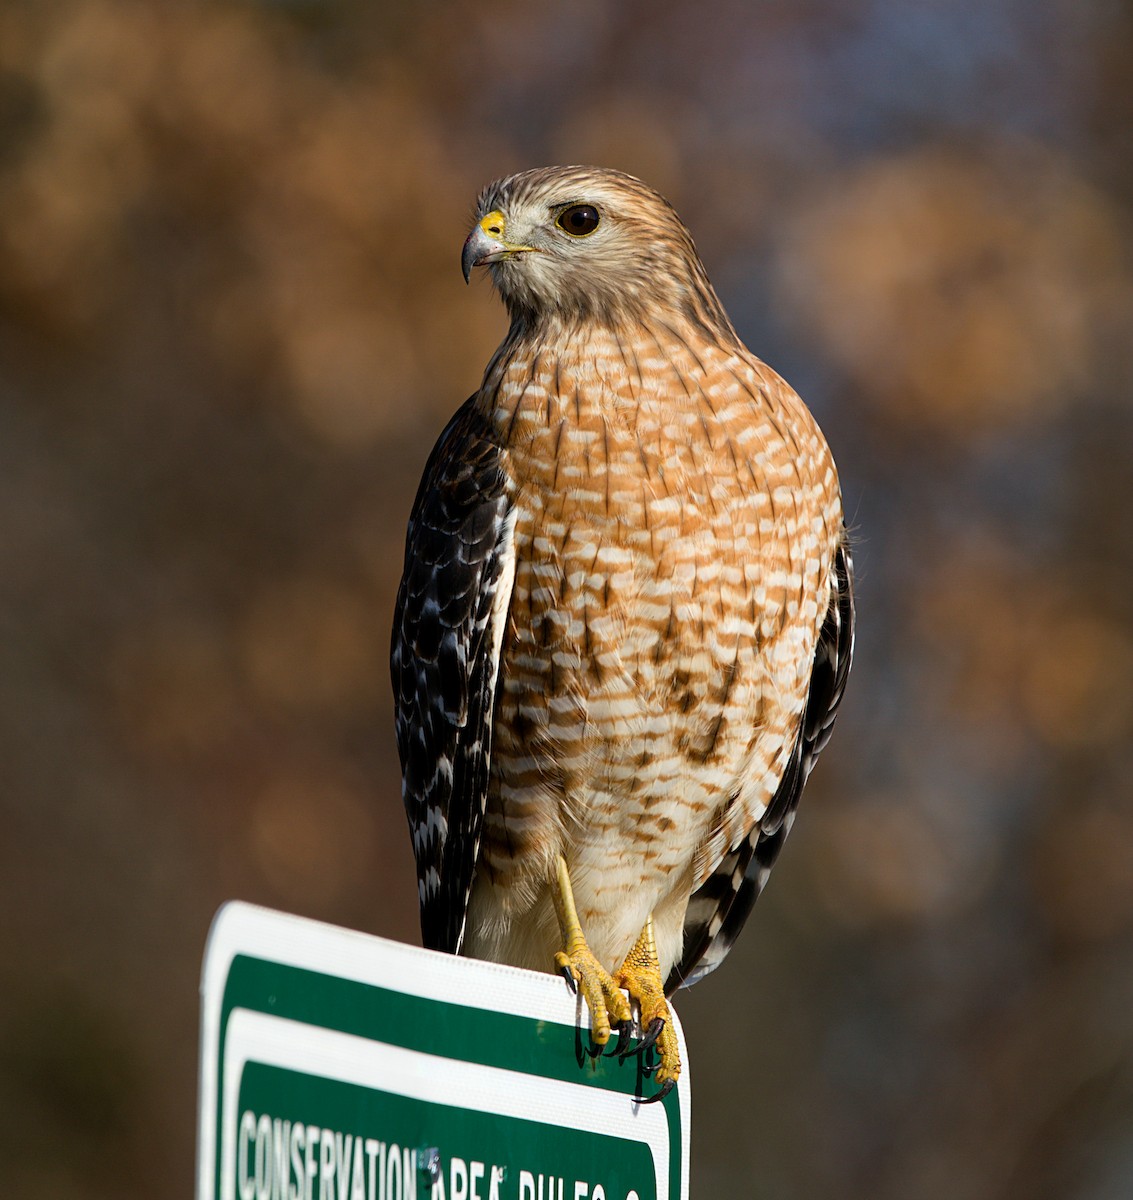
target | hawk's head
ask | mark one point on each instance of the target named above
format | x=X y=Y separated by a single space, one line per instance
x=585 y=242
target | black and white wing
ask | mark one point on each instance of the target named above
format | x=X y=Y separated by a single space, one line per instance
x=718 y=909
x=447 y=637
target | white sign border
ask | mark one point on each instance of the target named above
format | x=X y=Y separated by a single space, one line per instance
x=262 y=933
x=347 y=1058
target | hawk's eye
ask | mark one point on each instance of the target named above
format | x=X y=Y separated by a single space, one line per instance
x=578 y=220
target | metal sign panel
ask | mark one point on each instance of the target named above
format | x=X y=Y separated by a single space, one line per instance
x=339 y=1066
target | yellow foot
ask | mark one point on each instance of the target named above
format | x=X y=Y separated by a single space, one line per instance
x=577 y=963
x=640 y=975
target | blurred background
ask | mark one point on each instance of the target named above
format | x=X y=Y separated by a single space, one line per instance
x=232 y=324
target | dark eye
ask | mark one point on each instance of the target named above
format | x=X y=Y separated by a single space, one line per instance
x=579 y=220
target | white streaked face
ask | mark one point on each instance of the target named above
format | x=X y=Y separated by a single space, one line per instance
x=579 y=242
x=543 y=248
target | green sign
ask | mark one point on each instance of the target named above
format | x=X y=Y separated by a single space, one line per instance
x=338 y=1066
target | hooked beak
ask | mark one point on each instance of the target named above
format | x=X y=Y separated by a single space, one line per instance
x=486 y=244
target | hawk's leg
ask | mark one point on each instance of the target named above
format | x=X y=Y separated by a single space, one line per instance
x=640 y=975
x=577 y=963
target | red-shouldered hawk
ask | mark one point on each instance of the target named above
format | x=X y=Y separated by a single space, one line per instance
x=626 y=618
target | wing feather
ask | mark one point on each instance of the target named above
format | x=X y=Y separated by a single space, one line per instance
x=447 y=635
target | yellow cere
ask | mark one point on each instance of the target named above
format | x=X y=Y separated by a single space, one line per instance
x=493 y=224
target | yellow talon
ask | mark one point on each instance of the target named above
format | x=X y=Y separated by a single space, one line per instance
x=603 y=996
x=640 y=975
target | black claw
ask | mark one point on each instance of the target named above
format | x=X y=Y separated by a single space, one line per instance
x=651 y=1036
x=666 y=1088
x=595 y=1049
x=568 y=975
x=625 y=1031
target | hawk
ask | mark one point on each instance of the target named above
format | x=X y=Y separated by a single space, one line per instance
x=626 y=617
